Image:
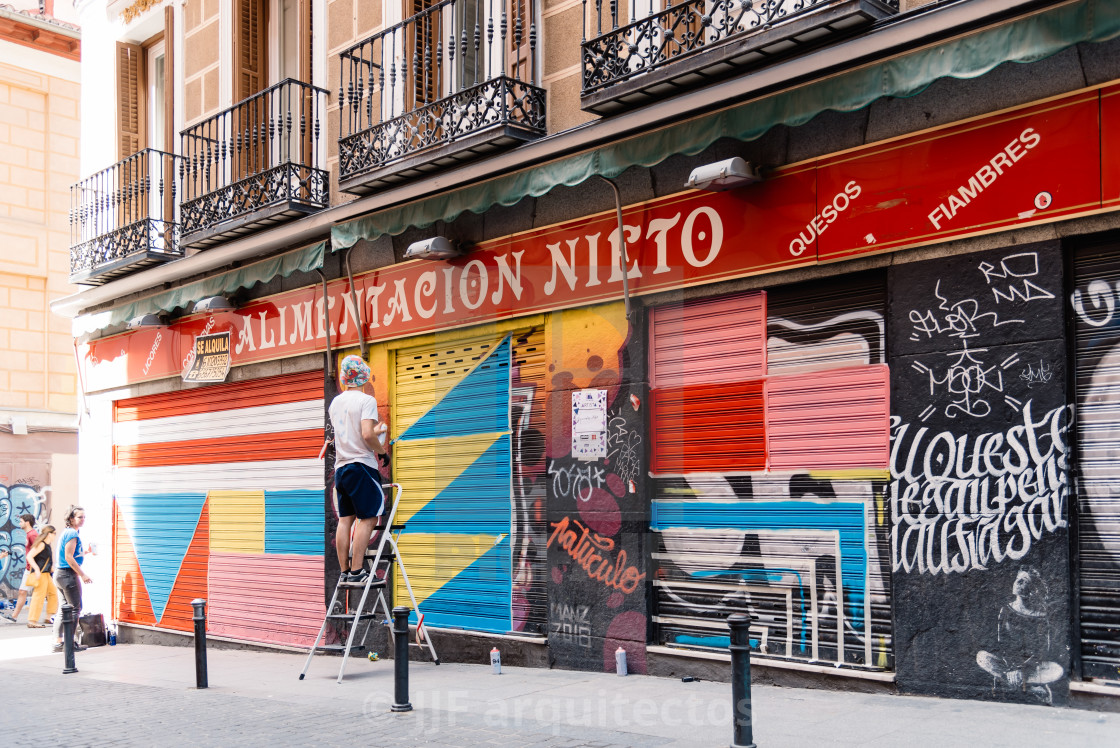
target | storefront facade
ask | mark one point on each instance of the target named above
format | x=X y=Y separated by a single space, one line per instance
x=867 y=400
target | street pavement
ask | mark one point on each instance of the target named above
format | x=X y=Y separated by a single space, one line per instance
x=144 y=695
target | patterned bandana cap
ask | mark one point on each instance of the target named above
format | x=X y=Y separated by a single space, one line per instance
x=355 y=373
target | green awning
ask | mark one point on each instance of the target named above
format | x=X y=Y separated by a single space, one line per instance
x=300 y=260
x=1026 y=40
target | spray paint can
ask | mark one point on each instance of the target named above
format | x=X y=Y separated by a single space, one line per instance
x=620 y=661
x=112 y=637
x=496 y=661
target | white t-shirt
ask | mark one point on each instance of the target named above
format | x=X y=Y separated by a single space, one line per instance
x=348 y=410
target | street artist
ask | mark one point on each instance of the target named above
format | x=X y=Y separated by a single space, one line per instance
x=359 y=444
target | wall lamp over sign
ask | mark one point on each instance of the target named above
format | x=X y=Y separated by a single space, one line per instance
x=436 y=248
x=145 y=320
x=723 y=175
x=213 y=304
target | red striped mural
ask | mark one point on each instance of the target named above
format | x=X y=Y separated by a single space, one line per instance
x=219 y=495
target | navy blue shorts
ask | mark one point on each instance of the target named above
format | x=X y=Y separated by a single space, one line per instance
x=359 y=491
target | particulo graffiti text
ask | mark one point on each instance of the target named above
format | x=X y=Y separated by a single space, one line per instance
x=591 y=551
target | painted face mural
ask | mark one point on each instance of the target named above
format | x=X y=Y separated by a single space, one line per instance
x=773 y=500
x=1097 y=344
x=979 y=469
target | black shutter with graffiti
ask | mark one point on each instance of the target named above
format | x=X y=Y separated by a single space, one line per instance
x=1096 y=321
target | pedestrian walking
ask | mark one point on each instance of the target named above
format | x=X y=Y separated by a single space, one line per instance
x=41 y=558
x=27 y=524
x=358 y=434
x=70 y=575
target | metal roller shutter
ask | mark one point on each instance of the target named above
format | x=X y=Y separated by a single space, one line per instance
x=770 y=471
x=1097 y=383
x=468 y=420
x=219 y=494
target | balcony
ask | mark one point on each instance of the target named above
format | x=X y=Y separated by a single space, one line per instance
x=253 y=165
x=124 y=218
x=690 y=43
x=447 y=85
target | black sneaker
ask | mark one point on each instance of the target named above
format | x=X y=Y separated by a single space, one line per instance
x=358 y=576
x=7 y=617
x=57 y=647
x=80 y=647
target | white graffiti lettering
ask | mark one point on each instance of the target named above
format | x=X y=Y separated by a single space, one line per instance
x=576 y=481
x=969 y=501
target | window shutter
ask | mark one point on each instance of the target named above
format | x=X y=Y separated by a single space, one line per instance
x=130 y=99
x=169 y=79
x=424 y=48
x=249 y=41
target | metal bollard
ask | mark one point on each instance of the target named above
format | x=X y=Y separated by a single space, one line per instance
x=69 y=619
x=200 y=677
x=400 y=661
x=740 y=647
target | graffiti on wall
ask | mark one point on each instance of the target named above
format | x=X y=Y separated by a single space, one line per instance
x=804 y=553
x=980 y=473
x=1095 y=301
x=21 y=496
x=597 y=517
x=803 y=550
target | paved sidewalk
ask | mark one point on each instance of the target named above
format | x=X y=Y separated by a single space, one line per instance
x=143 y=695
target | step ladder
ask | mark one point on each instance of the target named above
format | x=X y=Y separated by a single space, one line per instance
x=353 y=618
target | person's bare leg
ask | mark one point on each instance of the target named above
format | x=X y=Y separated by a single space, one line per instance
x=342 y=542
x=20 y=601
x=361 y=541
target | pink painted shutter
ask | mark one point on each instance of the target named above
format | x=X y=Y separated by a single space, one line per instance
x=836 y=419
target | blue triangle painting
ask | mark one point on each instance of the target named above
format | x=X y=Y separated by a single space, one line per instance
x=477 y=598
x=161 y=527
x=476 y=502
x=479 y=404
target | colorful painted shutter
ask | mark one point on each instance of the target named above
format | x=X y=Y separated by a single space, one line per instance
x=219 y=494
x=707 y=360
x=1097 y=362
x=797 y=535
x=452 y=455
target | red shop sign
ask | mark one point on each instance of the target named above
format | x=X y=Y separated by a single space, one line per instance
x=1033 y=164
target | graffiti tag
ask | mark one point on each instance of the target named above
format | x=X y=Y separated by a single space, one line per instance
x=572 y=623
x=592 y=552
x=1042 y=375
x=577 y=481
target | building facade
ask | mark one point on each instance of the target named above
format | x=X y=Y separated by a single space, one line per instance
x=39 y=142
x=675 y=311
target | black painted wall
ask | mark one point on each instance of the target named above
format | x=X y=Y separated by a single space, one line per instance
x=598 y=513
x=979 y=467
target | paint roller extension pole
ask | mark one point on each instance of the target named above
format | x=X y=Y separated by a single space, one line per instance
x=400 y=660
x=740 y=647
x=200 y=643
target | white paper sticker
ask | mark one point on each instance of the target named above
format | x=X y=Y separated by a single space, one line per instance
x=589 y=424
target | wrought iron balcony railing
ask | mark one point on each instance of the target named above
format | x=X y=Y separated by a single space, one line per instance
x=690 y=41
x=124 y=218
x=444 y=85
x=255 y=164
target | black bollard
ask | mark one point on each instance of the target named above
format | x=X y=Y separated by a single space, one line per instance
x=68 y=621
x=200 y=678
x=400 y=661
x=740 y=647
